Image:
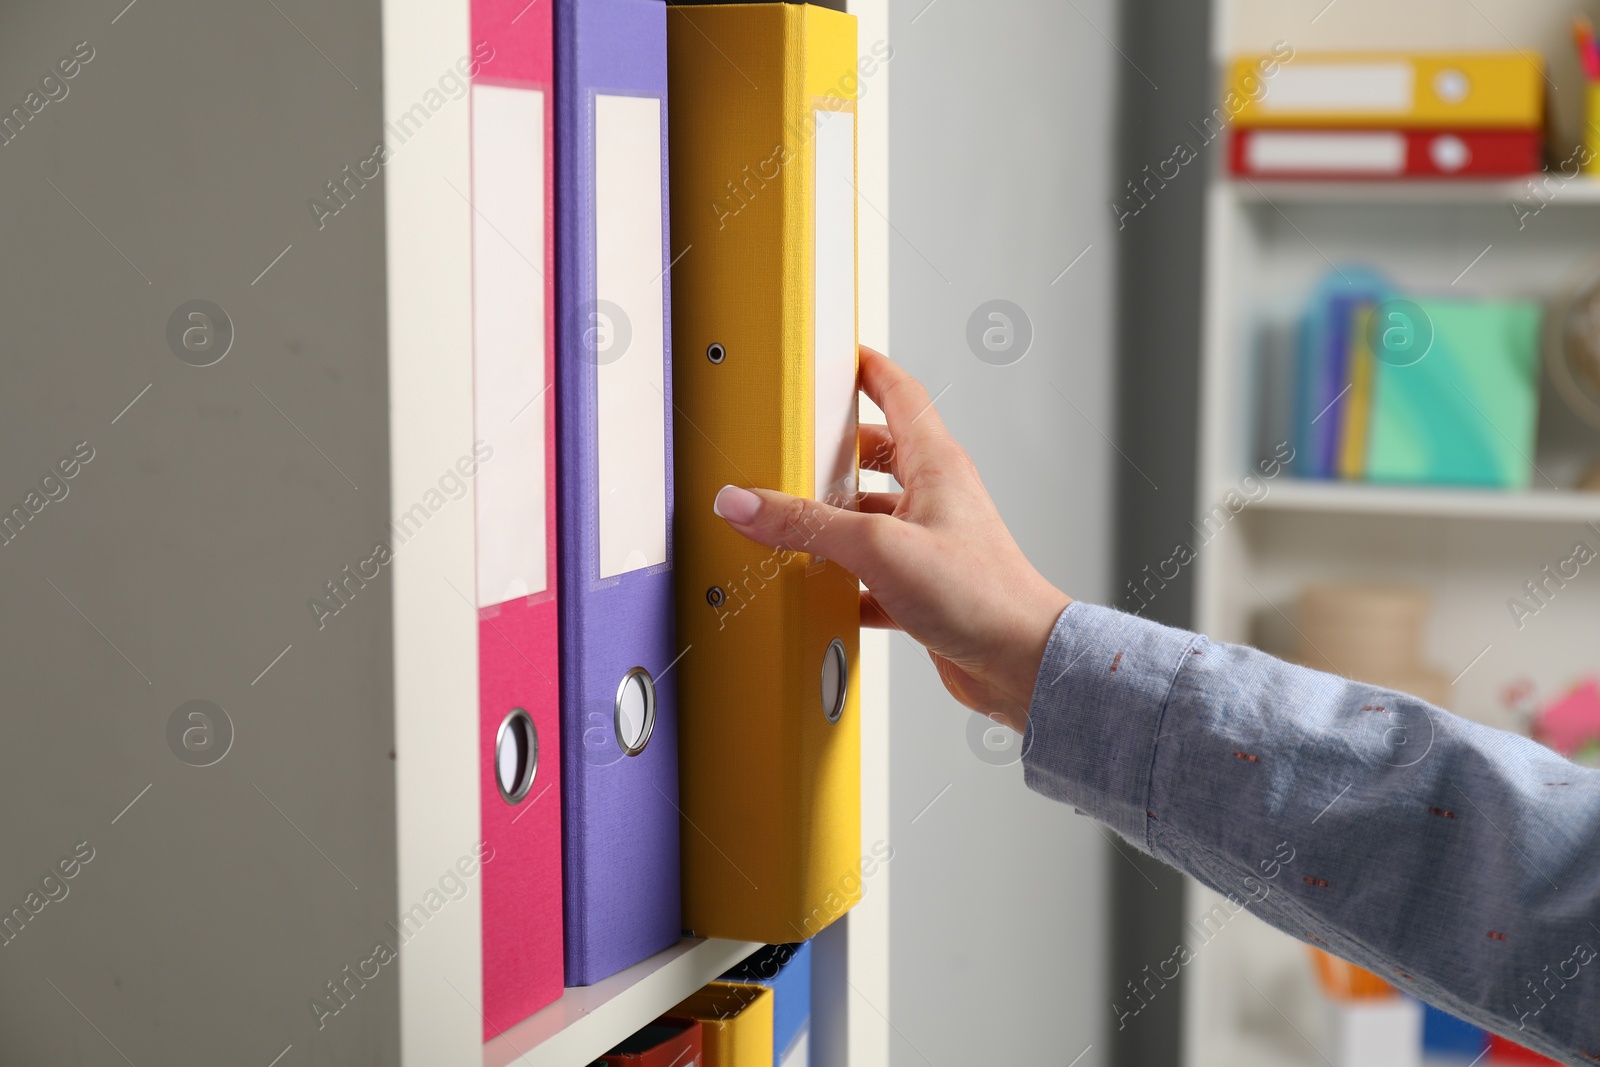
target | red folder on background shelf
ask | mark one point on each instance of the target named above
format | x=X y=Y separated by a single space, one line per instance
x=1348 y=153
x=1503 y=1051
x=514 y=423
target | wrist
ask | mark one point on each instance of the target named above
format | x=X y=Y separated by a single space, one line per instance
x=1036 y=621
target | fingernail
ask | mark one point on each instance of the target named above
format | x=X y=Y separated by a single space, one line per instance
x=736 y=505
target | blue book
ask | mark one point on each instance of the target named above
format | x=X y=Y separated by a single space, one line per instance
x=786 y=970
x=1445 y=1035
x=1323 y=364
x=1305 y=373
x=1335 y=376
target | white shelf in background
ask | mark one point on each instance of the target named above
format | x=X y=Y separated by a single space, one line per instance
x=587 y=1021
x=1267 y=244
x=1557 y=191
x=1530 y=505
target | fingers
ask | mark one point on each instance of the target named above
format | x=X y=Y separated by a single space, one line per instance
x=782 y=521
x=855 y=540
x=877 y=448
x=877 y=503
x=913 y=422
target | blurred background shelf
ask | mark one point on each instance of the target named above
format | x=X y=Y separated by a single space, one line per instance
x=1533 y=505
x=586 y=1022
x=1267 y=246
x=1291 y=1050
x=1555 y=190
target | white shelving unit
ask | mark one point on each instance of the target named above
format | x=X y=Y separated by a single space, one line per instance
x=586 y=1022
x=1345 y=498
x=1267 y=245
x=260 y=854
x=428 y=268
x=1557 y=190
x=1535 y=506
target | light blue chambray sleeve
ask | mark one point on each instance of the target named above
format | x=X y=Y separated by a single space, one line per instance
x=1460 y=862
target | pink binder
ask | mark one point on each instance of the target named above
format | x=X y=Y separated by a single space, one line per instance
x=514 y=419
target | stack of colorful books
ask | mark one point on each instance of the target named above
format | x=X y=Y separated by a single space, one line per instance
x=1419 y=390
x=1387 y=116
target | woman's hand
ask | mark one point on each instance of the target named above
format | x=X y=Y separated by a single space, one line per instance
x=937 y=560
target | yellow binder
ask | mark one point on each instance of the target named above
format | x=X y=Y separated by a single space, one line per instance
x=762 y=120
x=1391 y=90
x=736 y=1023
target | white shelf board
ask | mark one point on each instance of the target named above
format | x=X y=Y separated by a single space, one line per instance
x=587 y=1021
x=1252 y=1050
x=1531 y=505
x=1582 y=190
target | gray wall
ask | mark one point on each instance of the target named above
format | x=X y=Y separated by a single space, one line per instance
x=1001 y=163
x=180 y=561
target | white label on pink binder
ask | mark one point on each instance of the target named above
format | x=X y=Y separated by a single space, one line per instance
x=627 y=340
x=1382 y=87
x=834 y=320
x=508 y=339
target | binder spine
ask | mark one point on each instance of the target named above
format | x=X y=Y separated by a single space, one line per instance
x=621 y=817
x=770 y=786
x=516 y=595
x=736 y=1021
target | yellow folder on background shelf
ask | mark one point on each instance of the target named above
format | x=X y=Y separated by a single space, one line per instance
x=1390 y=90
x=762 y=126
x=1356 y=416
x=736 y=1023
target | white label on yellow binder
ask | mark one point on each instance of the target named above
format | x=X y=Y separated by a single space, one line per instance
x=628 y=341
x=508 y=327
x=1379 y=87
x=834 y=320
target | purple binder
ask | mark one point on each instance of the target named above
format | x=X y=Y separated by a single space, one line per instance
x=614 y=430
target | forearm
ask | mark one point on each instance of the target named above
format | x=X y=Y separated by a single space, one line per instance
x=1457 y=861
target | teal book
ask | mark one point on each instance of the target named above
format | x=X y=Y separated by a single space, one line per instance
x=1464 y=411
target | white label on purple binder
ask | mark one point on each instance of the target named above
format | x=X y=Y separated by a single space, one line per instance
x=627 y=340
x=508 y=331
x=834 y=319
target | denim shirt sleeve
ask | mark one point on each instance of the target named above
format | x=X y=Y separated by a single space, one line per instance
x=1459 y=862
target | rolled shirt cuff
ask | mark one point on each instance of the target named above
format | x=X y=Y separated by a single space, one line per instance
x=1096 y=713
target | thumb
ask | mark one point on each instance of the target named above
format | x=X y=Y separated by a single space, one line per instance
x=777 y=520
